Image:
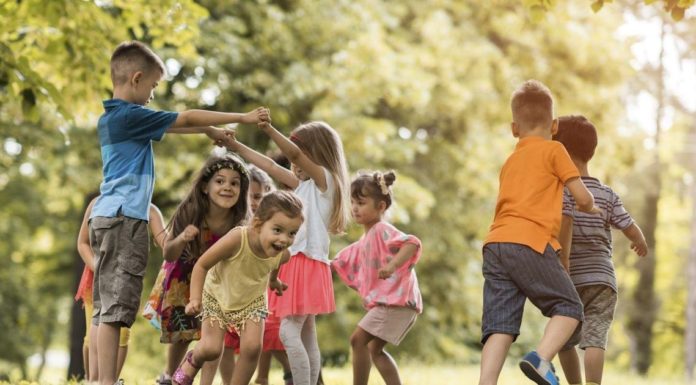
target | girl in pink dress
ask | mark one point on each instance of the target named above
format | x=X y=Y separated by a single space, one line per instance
x=380 y=267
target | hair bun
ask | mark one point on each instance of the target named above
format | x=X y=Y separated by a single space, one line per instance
x=389 y=177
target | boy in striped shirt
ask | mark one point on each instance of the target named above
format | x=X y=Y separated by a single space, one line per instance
x=586 y=246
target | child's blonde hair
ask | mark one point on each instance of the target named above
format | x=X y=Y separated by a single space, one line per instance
x=321 y=143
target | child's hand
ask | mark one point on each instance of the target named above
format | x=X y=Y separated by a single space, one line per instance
x=193 y=307
x=386 y=271
x=219 y=135
x=189 y=234
x=278 y=286
x=593 y=210
x=641 y=248
x=261 y=114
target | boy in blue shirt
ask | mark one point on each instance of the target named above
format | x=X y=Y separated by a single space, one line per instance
x=118 y=223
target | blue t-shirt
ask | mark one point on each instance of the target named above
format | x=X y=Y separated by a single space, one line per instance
x=126 y=132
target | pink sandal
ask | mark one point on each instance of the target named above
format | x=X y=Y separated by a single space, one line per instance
x=181 y=378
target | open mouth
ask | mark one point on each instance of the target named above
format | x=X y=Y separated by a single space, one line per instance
x=277 y=247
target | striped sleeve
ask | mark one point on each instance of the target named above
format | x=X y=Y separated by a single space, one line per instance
x=619 y=218
x=568 y=203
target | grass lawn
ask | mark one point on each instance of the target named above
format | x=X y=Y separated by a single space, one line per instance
x=411 y=375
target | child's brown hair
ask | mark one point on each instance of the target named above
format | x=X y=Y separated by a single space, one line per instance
x=276 y=201
x=376 y=185
x=532 y=105
x=133 y=56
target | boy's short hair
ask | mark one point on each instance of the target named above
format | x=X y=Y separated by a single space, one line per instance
x=132 y=56
x=532 y=105
x=578 y=135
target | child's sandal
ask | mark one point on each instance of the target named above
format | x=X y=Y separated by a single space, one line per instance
x=181 y=378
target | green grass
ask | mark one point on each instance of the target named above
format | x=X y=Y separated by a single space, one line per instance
x=411 y=375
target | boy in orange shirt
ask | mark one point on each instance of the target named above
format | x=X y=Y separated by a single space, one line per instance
x=520 y=257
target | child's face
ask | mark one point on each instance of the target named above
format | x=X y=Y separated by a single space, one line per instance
x=365 y=210
x=299 y=173
x=255 y=195
x=223 y=188
x=144 y=86
x=278 y=233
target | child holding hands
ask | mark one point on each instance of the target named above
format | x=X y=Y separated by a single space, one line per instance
x=319 y=177
x=381 y=268
x=118 y=223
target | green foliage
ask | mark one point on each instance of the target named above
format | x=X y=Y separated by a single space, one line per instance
x=418 y=87
x=676 y=8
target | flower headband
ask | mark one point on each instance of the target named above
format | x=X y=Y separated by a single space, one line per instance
x=226 y=164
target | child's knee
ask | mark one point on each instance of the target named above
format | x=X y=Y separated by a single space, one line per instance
x=357 y=339
x=208 y=351
x=251 y=349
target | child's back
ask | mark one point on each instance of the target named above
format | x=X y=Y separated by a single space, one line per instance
x=588 y=260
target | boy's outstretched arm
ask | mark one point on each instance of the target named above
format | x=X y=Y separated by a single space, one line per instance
x=583 y=197
x=565 y=238
x=295 y=155
x=276 y=171
x=638 y=243
x=198 y=118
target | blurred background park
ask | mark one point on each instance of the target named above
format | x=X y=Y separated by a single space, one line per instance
x=421 y=87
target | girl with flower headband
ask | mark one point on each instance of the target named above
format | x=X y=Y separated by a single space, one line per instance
x=216 y=203
x=319 y=177
x=380 y=267
x=229 y=283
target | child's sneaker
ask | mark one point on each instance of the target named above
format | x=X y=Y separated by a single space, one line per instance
x=287 y=378
x=538 y=370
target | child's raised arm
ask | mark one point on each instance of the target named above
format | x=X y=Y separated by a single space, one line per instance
x=174 y=246
x=583 y=197
x=194 y=119
x=296 y=156
x=226 y=247
x=565 y=238
x=157 y=226
x=405 y=253
x=638 y=243
x=276 y=171
x=83 y=246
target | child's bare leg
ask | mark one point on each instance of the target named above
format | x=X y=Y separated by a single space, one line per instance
x=570 y=362
x=227 y=366
x=175 y=353
x=384 y=362
x=594 y=364
x=208 y=371
x=208 y=348
x=493 y=357
x=558 y=330
x=264 y=368
x=361 y=356
x=282 y=357
x=251 y=340
x=107 y=345
x=121 y=359
x=93 y=358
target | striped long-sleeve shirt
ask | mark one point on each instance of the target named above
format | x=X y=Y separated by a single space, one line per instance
x=590 y=254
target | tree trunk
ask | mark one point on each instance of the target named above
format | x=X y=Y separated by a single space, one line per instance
x=644 y=309
x=78 y=326
x=690 y=338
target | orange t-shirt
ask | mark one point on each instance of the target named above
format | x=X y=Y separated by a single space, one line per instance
x=530 y=199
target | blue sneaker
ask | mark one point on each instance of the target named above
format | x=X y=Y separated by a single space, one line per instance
x=538 y=370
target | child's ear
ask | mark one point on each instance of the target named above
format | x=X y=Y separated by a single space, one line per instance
x=554 y=127
x=136 y=77
x=382 y=206
x=515 y=129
